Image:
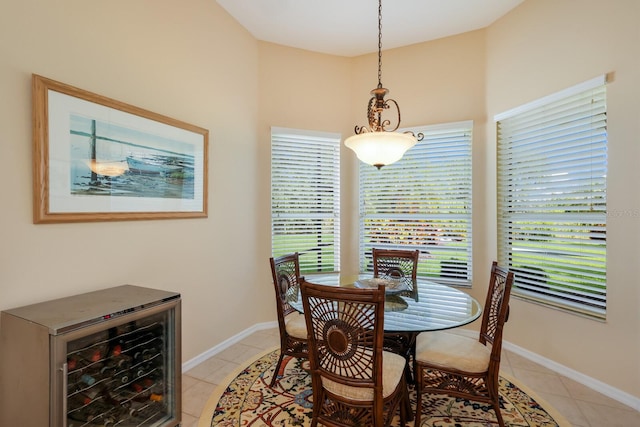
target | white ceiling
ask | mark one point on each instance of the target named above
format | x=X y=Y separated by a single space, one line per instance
x=350 y=27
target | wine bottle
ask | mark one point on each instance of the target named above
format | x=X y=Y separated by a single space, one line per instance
x=147 y=334
x=77 y=400
x=157 y=329
x=75 y=368
x=76 y=364
x=79 y=407
x=141 y=371
x=108 y=370
x=88 y=379
x=156 y=397
x=121 y=362
x=95 y=354
x=155 y=347
x=138 y=408
x=148 y=390
x=155 y=372
x=73 y=362
x=121 y=378
x=116 y=349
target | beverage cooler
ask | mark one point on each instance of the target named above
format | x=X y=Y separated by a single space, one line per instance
x=104 y=358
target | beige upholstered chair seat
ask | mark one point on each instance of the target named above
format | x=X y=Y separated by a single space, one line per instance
x=449 y=350
x=392 y=371
x=295 y=325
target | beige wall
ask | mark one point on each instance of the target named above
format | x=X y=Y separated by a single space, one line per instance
x=198 y=65
x=193 y=63
x=542 y=47
x=300 y=90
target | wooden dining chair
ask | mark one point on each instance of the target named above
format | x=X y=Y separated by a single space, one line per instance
x=397 y=264
x=403 y=265
x=355 y=382
x=466 y=367
x=293 y=329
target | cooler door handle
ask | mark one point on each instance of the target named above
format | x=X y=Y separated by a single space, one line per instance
x=65 y=388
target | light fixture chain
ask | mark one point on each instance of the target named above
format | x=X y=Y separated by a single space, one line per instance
x=379 y=43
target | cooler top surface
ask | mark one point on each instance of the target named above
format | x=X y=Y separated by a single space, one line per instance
x=61 y=314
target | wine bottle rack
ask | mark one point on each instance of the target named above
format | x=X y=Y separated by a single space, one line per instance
x=115 y=377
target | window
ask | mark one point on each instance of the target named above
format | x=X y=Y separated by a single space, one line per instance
x=423 y=202
x=552 y=205
x=305 y=198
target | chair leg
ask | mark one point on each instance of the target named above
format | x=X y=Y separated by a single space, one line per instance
x=275 y=372
x=317 y=397
x=496 y=407
x=417 y=376
x=403 y=413
x=402 y=407
x=407 y=405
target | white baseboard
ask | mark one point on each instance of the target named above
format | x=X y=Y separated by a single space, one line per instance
x=189 y=364
x=609 y=391
x=599 y=386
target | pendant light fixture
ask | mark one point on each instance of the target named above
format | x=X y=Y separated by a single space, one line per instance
x=377 y=145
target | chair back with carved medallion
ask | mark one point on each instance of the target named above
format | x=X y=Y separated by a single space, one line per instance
x=395 y=264
x=286 y=272
x=346 y=327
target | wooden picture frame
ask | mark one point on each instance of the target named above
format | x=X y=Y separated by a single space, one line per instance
x=98 y=159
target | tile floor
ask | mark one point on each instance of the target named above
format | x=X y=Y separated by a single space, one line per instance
x=580 y=405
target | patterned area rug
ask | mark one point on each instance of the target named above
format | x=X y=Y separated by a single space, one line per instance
x=247 y=400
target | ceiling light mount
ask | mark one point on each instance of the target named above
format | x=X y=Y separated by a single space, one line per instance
x=379 y=145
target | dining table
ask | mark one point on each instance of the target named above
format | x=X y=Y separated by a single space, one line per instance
x=410 y=308
x=430 y=306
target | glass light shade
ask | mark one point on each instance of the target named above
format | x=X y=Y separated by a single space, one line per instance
x=380 y=148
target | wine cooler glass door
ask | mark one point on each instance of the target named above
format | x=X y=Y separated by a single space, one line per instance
x=122 y=372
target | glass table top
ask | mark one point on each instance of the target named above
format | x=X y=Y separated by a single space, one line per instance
x=433 y=307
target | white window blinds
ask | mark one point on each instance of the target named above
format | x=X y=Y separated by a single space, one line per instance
x=305 y=198
x=423 y=202
x=552 y=206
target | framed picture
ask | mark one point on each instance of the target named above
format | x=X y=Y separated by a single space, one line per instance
x=97 y=159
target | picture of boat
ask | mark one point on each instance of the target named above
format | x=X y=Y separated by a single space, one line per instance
x=124 y=163
x=149 y=166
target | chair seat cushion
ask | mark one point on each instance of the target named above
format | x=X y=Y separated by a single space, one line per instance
x=392 y=371
x=295 y=325
x=447 y=350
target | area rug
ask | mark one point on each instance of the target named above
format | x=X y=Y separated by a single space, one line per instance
x=245 y=399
